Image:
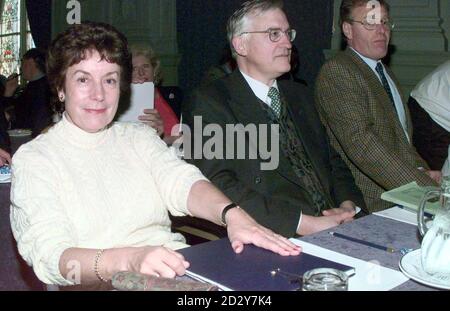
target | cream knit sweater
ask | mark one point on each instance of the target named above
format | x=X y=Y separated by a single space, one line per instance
x=109 y=189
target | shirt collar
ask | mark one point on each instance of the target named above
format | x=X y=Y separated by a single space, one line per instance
x=370 y=62
x=260 y=89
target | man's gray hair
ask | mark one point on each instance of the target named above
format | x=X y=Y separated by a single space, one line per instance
x=238 y=21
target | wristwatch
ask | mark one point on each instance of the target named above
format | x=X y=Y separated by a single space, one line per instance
x=225 y=211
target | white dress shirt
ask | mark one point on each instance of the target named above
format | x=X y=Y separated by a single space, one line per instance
x=260 y=89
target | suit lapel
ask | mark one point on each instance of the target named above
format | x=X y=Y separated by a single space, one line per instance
x=244 y=103
x=373 y=81
x=380 y=93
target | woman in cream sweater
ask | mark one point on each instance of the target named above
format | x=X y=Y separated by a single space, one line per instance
x=91 y=197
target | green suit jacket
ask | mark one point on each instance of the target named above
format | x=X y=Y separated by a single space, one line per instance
x=274 y=198
x=364 y=128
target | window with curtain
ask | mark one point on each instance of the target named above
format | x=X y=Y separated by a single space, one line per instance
x=15 y=35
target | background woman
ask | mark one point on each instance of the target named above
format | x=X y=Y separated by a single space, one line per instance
x=146 y=68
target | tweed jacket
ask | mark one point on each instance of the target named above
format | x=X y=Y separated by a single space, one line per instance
x=275 y=198
x=364 y=128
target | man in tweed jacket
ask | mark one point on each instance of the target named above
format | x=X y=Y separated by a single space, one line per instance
x=363 y=110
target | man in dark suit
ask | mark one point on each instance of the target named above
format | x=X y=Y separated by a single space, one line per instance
x=32 y=108
x=363 y=110
x=304 y=186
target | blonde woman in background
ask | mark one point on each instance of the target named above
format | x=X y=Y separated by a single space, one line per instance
x=146 y=68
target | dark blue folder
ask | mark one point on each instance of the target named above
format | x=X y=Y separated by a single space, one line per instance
x=251 y=269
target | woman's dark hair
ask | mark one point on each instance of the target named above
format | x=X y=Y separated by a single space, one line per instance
x=73 y=45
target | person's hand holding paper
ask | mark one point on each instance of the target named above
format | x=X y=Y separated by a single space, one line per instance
x=141 y=107
x=153 y=119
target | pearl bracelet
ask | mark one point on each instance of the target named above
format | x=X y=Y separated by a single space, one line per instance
x=96 y=261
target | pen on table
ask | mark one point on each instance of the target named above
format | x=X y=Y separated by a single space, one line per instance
x=426 y=214
x=349 y=238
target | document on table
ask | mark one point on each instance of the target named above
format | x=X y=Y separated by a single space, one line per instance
x=399 y=214
x=410 y=196
x=369 y=276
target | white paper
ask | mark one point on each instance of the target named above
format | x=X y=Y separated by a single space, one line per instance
x=142 y=97
x=399 y=214
x=201 y=278
x=368 y=276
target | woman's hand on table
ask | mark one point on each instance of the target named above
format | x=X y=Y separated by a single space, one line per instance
x=155 y=260
x=243 y=229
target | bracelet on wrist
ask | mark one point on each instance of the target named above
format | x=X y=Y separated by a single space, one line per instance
x=98 y=255
x=225 y=211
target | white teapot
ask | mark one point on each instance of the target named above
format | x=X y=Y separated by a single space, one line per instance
x=435 y=247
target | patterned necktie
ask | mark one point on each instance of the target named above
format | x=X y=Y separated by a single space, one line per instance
x=274 y=95
x=384 y=81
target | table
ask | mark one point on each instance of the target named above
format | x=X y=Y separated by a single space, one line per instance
x=15 y=274
x=379 y=230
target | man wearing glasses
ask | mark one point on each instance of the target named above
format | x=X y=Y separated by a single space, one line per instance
x=361 y=105
x=311 y=188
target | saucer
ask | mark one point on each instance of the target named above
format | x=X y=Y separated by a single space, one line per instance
x=411 y=265
x=5 y=174
x=19 y=132
x=4 y=179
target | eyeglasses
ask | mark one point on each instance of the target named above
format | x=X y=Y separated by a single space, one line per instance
x=373 y=25
x=275 y=34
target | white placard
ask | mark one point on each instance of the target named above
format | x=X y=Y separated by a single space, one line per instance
x=142 y=97
x=369 y=276
x=399 y=214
